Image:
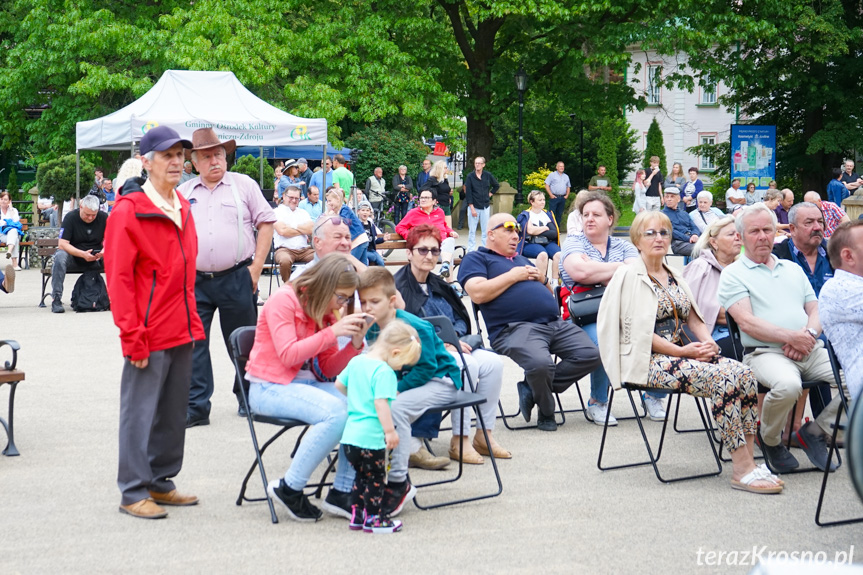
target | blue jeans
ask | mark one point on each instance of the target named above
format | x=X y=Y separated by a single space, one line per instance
x=375 y=259
x=482 y=218
x=320 y=405
x=360 y=251
x=599 y=379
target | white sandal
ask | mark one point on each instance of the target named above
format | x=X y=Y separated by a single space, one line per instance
x=746 y=483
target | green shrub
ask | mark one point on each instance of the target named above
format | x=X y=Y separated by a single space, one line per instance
x=387 y=149
x=655 y=147
x=12 y=183
x=56 y=178
x=251 y=166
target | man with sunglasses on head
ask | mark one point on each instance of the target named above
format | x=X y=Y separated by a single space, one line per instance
x=228 y=208
x=523 y=320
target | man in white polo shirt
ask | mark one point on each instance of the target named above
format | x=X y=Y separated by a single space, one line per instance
x=293 y=226
x=776 y=310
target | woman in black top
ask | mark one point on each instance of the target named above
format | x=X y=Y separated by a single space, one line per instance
x=439 y=186
x=403 y=185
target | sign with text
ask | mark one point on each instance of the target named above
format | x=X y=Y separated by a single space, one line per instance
x=753 y=155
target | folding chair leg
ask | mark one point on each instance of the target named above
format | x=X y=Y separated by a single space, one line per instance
x=826 y=475
x=260 y=463
x=460 y=468
x=653 y=459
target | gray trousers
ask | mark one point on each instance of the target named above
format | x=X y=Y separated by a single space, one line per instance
x=153 y=404
x=530 y=345
x=63 y=262
x=681 y=248
x=407 y=407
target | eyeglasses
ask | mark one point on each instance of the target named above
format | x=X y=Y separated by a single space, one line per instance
x=344 y=299
x=652 y=233
x=509 y=226
x=429 y=198
x=426 y=251
x=294 y=198
x=336 y=220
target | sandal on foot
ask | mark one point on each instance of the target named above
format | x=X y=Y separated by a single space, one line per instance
x=747 y=481
x=769 y=475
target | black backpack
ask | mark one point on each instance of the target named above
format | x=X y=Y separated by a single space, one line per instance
x=90 y=292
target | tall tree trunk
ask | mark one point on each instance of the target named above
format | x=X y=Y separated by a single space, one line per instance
x=813 y=174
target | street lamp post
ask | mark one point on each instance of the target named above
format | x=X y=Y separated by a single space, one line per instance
x=521 y=85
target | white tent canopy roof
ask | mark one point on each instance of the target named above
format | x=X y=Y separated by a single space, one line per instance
x=188 y=100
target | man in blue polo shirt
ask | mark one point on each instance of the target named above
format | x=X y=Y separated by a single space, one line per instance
x=684 y=234
x=523 y=320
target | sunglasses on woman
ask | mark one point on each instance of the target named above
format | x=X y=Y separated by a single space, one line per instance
x=426 y=251
x=652 y=233
x=509 y=226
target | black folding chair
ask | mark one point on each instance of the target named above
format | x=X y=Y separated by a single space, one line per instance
x=242 y=340
x=464 y=400
x=834 y=364
x=274 y=269
x=854 y=445
x=737 y=343
x=654 y=459
x=504 y=416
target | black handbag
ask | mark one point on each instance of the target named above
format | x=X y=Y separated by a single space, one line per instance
x=584 y=306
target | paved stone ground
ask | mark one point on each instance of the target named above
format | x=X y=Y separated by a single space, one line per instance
x=557 y=514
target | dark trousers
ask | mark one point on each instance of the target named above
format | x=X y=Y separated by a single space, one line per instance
x=63 y=263
x=462 y=215
x=556 y=206
x=153 y=422
x=399 y=211
x=232 y=295
x=681 y=248
x=370 y=481
x=530 y=345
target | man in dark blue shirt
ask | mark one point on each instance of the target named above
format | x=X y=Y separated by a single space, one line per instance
x=523 y=320
x=684 y=234
x=806 y=246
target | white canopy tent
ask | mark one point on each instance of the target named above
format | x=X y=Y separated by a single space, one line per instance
x=189 y=100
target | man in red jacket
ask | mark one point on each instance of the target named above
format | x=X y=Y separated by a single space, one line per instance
x=150 y=251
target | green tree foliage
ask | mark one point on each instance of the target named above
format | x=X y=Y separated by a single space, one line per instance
x=655 y=147
x=607 y=156
x=793 y=63
x=251 y=166
x=388 y=149
x=65 y=61
x=12 y=182
x=57 y=178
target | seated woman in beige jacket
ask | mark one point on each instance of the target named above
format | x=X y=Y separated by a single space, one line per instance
x=647 y=295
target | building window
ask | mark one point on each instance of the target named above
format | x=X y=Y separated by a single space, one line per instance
x=708 y=90
x=706 y=162
x=654 y=77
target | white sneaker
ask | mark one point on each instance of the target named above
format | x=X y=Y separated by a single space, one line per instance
x=596 y=412
x=654 y=407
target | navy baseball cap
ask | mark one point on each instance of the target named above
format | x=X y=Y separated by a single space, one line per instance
x=160 y=139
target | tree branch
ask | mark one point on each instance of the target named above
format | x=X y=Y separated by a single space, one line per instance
x=452 y=11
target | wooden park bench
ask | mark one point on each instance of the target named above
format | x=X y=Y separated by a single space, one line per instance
x=12 y=376
x=46 y=246
x=399 y=247
x=23 y=245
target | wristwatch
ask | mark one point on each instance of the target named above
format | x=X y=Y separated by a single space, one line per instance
x=813 y=332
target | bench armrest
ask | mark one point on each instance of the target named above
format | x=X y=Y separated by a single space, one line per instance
x=14 y=346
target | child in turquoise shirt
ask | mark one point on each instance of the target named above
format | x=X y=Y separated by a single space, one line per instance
x=370 y=383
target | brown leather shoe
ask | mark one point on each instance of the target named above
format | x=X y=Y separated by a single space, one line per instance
x=173 y=497
x=423 y=459
x=499 y=452
x=144 y=509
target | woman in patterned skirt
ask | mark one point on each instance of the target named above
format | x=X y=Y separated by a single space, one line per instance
x=641 y=339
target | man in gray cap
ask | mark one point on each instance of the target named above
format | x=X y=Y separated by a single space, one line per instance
x=305 y=174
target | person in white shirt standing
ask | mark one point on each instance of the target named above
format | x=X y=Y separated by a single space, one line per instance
x=293 y=227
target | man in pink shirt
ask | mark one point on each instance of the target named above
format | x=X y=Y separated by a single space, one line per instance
x=227 y=208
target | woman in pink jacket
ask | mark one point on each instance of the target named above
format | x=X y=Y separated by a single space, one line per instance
x=427 y=213
x=292 y=369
